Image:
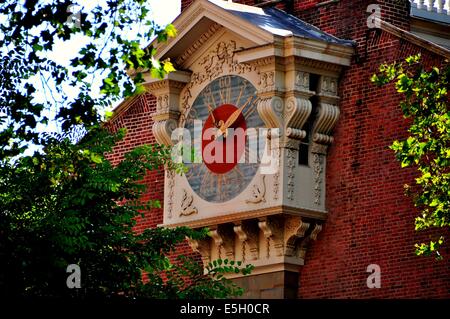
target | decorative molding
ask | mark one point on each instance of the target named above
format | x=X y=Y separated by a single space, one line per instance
x=170 y=175
x=317 y=170
x=223 y=238
x=256 y=213
x=162 y=130
x=271 y=111
x=328 y=85
x=326 y=120
x=187 y=207
x=267 y=81
x=197 y=44
x=263 y=61
x=301 y=81
x=286 y=240
x=316 y=65
x=203 y=247
x=160 y=46
x=259 y=192
x=218 y=62
x=303 y=247
x=290 y=173
x=247 y=233
x=272 y=229
x=276 y=176
x=164 y=85
x=294 y=228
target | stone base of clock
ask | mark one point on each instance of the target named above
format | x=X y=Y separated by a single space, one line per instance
x=271 y=266
x=275 y=245
x=274 y=285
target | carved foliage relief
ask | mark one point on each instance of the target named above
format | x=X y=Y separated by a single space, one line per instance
x=218 y=62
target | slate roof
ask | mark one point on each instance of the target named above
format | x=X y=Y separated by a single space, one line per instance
x=278 y=22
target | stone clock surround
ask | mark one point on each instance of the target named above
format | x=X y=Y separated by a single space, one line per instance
x=271 y=223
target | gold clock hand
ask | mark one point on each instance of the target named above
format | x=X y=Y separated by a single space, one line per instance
x=234 y=116
x=210 y=110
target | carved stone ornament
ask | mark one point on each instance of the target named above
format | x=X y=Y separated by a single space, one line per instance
x=187 y=207
x=297 y=112
x=272 y=231
x=302 y=81
x=294 y=229
x=276 y=176
x=291 y=163
x=165 y=119
x=267 y=81
x=247 y=234
x=318 y=169
x=326 y=120
x=162 y=130
x=203 y=247
x=220 y=61
x=306 y=242
x=259 y=192
x=328 y=112
x=223 y=237
x=170 y=177
x=328 y=86
x=271 y=111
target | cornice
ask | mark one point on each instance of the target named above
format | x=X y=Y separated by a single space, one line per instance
x=198 y=43
x=229 y=218
x=412 y=38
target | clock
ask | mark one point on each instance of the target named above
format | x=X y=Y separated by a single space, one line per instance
x=224 y=123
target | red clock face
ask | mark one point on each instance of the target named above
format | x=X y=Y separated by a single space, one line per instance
x=221 y=151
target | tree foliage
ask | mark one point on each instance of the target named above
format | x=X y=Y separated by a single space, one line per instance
x=29 y=33
x=68 y=204
x=72 y=206
x=427 y=104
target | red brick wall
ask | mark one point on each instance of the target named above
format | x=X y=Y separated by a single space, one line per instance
x=137 y=120
x=370 y=220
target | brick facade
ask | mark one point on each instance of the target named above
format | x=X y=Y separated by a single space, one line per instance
x=136 y=118
x=370 y=220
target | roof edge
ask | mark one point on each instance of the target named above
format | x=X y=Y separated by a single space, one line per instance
x=415 y=39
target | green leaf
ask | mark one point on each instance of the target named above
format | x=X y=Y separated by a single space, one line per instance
x=96 y=158
x=168 y=67
x=171 y=30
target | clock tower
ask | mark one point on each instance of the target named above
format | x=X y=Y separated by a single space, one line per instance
x=256 y=96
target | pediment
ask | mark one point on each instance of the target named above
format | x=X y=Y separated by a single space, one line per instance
x=256 y=28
